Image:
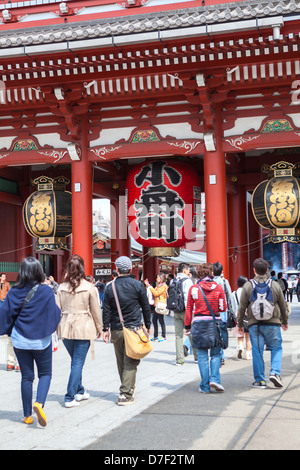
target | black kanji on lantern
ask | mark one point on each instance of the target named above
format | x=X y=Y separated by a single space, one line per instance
x=158 y=205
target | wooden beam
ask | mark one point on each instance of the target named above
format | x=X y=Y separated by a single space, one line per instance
x=105 y=191
x=8 y=198
x=161 y=69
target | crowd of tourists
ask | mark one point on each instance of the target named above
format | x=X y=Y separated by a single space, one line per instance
x=36 y=312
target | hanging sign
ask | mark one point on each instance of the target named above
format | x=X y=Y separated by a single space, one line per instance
x=163 y=205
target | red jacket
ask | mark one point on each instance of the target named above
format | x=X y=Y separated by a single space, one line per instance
x=196 y=304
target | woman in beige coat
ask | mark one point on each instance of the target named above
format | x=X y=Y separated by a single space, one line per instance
x=80 y=325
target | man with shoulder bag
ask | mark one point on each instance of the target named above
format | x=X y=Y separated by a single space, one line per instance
x=131 y=298
x=267 y=311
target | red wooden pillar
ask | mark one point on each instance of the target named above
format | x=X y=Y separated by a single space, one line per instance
x=150 y=266
x=25 y=240
x=61 y=263
x=238 y=236
x=82 y=210
x=120 y=240
x=255 y=240
x=216 y=202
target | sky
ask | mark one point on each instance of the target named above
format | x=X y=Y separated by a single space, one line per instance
x=103 y=205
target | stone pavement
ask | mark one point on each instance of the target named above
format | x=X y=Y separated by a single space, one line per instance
x=242 y=418
x=169 y=413
x=78 y=427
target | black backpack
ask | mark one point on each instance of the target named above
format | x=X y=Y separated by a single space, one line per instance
x=175 y=300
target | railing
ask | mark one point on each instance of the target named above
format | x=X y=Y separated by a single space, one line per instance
x=9 y=267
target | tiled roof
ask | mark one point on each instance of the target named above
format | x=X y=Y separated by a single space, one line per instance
x=147 y=22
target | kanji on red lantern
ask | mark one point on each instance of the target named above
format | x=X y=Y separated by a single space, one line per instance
x=163 y=201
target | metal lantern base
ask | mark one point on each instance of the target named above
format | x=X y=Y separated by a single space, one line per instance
x=164 y=251
x=51 y=244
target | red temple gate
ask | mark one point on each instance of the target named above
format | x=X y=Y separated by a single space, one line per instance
x=87 y=92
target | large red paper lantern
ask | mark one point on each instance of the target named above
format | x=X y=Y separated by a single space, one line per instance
x=163 y=205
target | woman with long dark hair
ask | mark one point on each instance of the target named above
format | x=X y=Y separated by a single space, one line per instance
x=30 y=316
x=80 y=325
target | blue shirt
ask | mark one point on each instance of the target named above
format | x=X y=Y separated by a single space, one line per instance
x=20 y=342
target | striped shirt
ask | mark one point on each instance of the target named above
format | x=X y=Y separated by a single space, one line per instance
x=196 y=304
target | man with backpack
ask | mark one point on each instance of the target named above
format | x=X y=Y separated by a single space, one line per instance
x=266 y=308
x=177 y=301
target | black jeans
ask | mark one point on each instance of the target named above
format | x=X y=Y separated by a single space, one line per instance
x=158 y=317
x=290 y=295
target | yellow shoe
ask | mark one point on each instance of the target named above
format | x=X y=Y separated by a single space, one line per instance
x=28 y=420
x=38 y=409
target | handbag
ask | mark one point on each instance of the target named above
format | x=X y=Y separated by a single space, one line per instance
x=231 y=320
x=231 y=316
x=161 y=308
x=137 y=341
x=205 y=334
x=245 y=321
x=54 y=342
x=220 y=325
x=150 y=296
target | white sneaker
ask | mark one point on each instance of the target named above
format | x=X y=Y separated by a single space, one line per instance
x=217 y=387
x=202 y=391
x=82 y=396
x=248 y=355
x=71 y=404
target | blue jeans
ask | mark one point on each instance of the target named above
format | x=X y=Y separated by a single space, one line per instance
x=271 y=336
x=26 y=359
x=215 y=363
x=77 y=349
